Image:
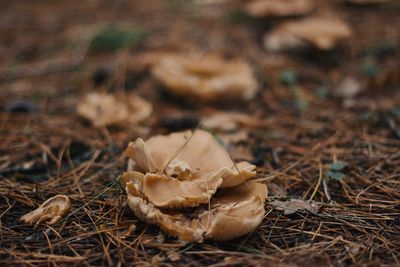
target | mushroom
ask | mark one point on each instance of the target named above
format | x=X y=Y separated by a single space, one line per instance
x=50 y=212
x=322 y=33
x=207 y=77
x=279 y=8
x=106 y=109
x=185 y=170
x=234 y=212
x=230 y=121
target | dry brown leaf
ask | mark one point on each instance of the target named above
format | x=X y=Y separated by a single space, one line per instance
x=294 y=205
x=106 y=109
x=207 y=77
x=322 y=33
x=50 y=212
x=185 y=170
x=279 y=8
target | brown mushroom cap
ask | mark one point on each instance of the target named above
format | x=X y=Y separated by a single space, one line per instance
x=106 y=109
x=234 y=212
x=186 y=169
x=279 y=8
x=202 y=153
x=323 y=33
x=50 y=212
x=207 y=77
x=197 y=170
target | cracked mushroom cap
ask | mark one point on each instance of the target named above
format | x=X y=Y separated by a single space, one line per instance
x=183 y=169
x=279 y=8
x=322 y=33
x=50 y=212
x=207 y=77
x=232 y=213
x=106 y=109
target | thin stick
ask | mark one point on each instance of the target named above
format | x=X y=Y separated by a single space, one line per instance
x=319 y=181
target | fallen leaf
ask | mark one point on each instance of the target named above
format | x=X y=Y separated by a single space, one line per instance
x=335 y=170
x=293 y=205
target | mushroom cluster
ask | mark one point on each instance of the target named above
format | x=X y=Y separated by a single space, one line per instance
x=188 y=184
x=207 y=77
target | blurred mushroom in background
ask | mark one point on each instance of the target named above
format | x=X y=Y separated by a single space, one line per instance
x=318 y=32
x=207 y=77
x=279 y=8
x=103 y=109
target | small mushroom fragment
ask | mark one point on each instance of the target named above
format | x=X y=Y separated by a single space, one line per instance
x=50 y=212
x=185 y=170
x=279 y=8
x=207 y=77
x=230 y=121
x=106 y=109
x=322 y=33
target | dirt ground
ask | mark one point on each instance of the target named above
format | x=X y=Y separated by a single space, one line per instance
x=48 y=63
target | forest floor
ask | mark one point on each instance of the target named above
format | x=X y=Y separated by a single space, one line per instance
x=342 y=150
